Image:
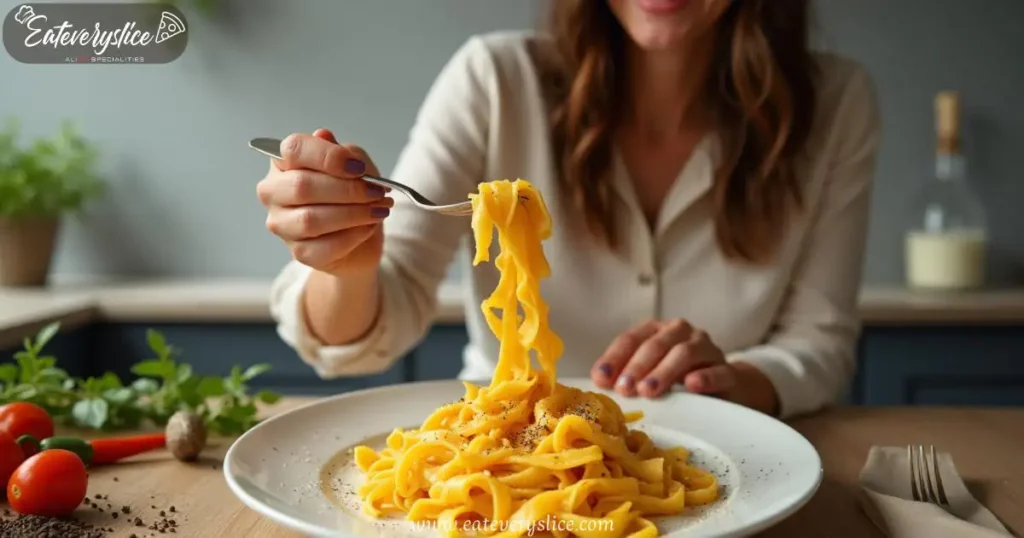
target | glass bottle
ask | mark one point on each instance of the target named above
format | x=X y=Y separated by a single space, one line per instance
x=946 y=247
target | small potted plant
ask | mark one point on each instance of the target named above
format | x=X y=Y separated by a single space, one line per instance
x=39 y=185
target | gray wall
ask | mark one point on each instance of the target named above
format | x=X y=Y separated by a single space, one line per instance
x=183 y=201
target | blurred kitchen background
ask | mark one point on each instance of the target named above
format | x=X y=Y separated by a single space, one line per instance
x=178 y=240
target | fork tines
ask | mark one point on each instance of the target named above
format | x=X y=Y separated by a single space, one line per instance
x=925 y=477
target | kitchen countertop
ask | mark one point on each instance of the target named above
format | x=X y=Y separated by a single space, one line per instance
x=239 y=300
x=984 y=442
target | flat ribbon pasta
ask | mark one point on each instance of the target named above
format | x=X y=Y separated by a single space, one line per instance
x=526 y=455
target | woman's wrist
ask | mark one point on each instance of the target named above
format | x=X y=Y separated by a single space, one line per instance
x=341 y=310
x=753 y=389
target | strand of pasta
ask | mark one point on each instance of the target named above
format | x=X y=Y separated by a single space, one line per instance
x=524 y=449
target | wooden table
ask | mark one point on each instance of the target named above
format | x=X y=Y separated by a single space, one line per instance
x=986 y=444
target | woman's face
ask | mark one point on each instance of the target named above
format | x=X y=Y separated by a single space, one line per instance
x=657 y=25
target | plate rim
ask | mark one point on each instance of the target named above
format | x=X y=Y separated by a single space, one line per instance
x=758 y=525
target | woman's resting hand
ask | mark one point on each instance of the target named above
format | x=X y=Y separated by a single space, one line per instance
x=651 y=357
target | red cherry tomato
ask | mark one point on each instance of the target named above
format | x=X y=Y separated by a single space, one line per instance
x=19 y=418
x=52 y=483
x=11 y=456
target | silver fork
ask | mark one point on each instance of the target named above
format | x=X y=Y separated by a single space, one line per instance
x=271 y=147
x=925 y=477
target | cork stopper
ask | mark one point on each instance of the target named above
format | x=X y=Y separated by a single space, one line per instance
x=947 y=121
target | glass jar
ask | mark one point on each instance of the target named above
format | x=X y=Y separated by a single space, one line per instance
x=946 y=247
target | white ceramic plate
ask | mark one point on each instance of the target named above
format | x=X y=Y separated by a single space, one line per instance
x=767 y=470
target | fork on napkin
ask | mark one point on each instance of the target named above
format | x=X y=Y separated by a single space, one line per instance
x=888 y=500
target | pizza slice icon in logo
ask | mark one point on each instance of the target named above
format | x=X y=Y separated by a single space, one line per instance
x=170 y=26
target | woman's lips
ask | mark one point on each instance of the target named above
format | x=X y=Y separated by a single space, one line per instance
x=662 y=6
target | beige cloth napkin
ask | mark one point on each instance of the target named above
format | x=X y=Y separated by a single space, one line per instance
x=889 y=502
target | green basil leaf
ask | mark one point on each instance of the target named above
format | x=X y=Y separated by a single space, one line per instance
x=268 y=397
x=48 y=361
x=52 y=375
x=154 y=368
x=210 y=387
x=27 y=366
x=69 y=384
x=241 y=412
x=91 y=413
x=157 y=343
x=145 y=385
x=184 y=372
x=46 y=334
x=254 y=371
x=8 y=372
x=24 y=392
x=226 y=426
x=119 y=396
x=128 y=417
x=188 y=391
x=109 y=381
x=235 y=384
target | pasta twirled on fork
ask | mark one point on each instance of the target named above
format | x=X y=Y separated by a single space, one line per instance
x=525 y=451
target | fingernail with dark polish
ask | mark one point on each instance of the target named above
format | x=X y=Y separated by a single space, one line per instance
x=374 y=191
x=380 y=212
x=605 y=369
x=652 y=383
x=355 y=166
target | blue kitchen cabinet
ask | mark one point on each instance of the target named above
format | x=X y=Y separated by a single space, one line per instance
x=954 y=365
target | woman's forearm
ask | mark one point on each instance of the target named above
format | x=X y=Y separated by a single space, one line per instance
x=341 y=310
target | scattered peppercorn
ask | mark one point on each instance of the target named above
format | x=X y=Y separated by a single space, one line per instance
x=22 y=526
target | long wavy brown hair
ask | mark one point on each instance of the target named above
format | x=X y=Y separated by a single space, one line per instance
x=759 y=89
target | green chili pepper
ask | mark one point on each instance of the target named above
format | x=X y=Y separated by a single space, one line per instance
x=80 y=447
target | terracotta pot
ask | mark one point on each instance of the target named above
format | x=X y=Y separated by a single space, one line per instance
x=26 y=250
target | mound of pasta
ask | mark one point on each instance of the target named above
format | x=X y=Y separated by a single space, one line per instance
x=526 y=455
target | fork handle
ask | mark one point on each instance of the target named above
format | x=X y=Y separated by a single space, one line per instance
x=385 y=182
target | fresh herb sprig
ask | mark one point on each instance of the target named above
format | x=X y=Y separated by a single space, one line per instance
x=164 y=386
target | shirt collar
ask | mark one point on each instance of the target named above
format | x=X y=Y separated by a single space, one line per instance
x=693 y=181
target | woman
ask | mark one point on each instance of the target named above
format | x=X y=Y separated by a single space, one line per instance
x=709 y=180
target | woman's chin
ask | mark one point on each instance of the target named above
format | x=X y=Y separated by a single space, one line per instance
x=658 y=40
